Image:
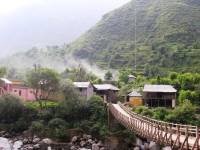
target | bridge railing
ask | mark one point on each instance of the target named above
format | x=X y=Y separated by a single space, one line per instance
x=180 y=128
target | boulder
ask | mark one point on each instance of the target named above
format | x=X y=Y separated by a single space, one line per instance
x=136 y=148
x=36 y=140
x=139 y=142
x=154 y=146
x=95 y=147
x=82 y=143
x=85 y=136
x=89 y=137
x=72 y=148
x=167 y=148
x=36 y=146
x=47 y=141
x=74 y=139
x=90 y=141
x=100 y=144
x=17 y=145
x=146 y=146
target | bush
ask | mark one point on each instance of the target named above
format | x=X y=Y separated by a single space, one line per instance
x=160 y=113
x=37 y=127
x=57 y=129
x=57 y=123
x=11 y=109
x=29 y=114
x=144 y=111
x=20 y=125
x=96 y=108
x=60 y=134
x=45 y=115
x=184 y=114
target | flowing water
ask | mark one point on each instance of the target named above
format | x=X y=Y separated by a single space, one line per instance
x=6 y=144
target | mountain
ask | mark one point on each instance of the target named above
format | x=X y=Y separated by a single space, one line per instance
x=167 y=32
x=167 y=37
x=25 y=24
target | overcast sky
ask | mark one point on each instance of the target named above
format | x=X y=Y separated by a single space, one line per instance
x=28 y=23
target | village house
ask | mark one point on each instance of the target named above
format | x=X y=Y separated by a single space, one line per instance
x=131 y=78
x=159 y=96
x=5 y=86
x=107 y=91
x=86 y=89
x=135 y=98
x=17 y=88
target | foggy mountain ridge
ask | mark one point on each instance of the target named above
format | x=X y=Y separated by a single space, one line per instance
x=48 y=22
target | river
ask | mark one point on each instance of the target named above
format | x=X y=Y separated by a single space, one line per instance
x=6 y=144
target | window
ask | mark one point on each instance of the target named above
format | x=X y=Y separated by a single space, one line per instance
x=20 y=93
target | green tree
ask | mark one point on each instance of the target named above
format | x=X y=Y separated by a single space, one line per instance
x=3 y=71
x=123 y=75
x=184 y=114
x=108 y=76
x=44 y=81
x=192 y=96
x=11 y=109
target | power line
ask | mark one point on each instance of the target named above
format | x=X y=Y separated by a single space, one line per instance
x=135 y=33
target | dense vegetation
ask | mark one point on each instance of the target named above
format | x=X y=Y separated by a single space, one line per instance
x=184 y=113
x=188 y=95
x=167 y=36
x=55 y=119
x=47 y=117
x=167 y=39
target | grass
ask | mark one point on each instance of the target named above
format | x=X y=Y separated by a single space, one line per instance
x=45 y=103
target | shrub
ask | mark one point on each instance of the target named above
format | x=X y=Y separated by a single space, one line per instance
x=160 y=113
x=96 y=108
x=144 y=111
x=184 y=114
x=57 y=123
x=20 y=125
x=37 y=127
x=11 y=109
x=45 y=115
x=60 y=134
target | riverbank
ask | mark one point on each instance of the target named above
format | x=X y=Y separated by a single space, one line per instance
x=84 y=142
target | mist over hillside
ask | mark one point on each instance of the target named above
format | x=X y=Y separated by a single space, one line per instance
x=38 y=23
x=168 y=38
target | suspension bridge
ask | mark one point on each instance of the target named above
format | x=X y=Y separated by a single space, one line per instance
x=177 y=136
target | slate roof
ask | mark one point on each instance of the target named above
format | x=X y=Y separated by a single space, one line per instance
x=6 y=80
x=134 y=94
x=131 y=76
x=159 y=88
x=81 y=84
x=106 y=87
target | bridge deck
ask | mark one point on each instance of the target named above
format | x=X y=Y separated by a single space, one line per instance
x=175 y=135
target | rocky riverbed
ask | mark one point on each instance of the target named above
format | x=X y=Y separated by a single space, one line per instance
x=80 y=142
x=83 y=142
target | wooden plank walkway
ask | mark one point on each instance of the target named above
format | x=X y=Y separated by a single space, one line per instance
x=169 y=134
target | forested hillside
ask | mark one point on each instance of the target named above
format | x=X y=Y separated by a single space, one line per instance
x=168 y=33
x=168 y=38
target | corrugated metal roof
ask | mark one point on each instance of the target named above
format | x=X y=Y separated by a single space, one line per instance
x=106 y=87
x=131 y=76
x=159 y=88
x=134 y=94
x=81 y=84
x=6 y=80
